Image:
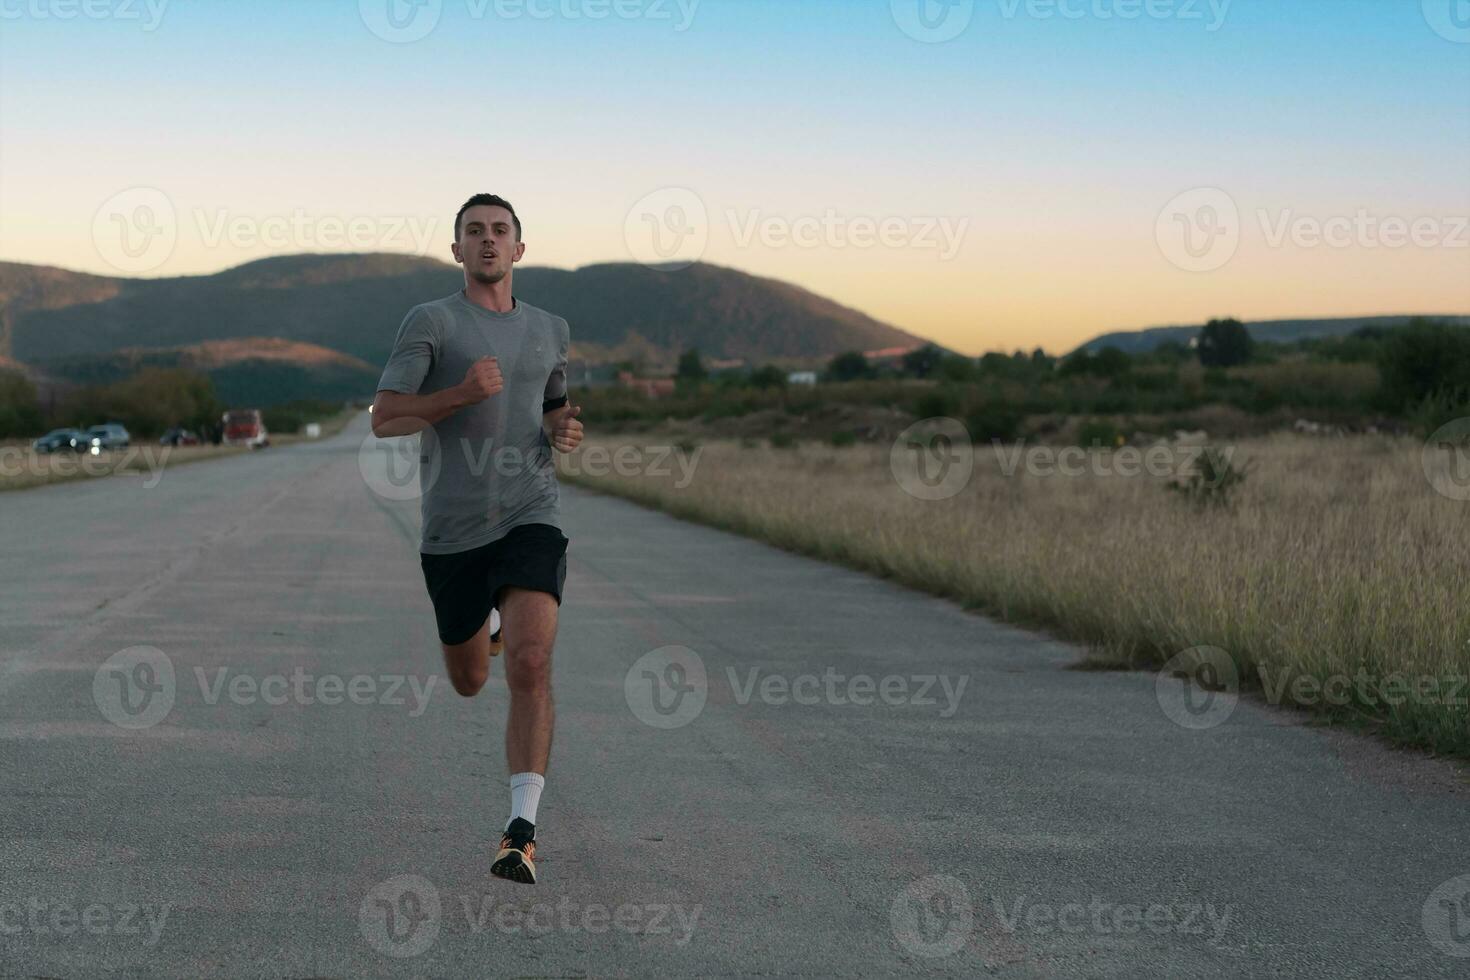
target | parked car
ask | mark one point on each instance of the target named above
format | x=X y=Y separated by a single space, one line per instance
x=178 y=436
x=245 y=427
x=109 y=435
x=61 y=440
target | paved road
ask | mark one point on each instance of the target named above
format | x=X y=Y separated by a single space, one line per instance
x=1036 y=821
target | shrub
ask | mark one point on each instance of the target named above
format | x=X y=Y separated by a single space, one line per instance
x=1426 y=359
x=768 y=376
x=1224 y=343
x=992 y=420
x=20 y=413
x=940 y=402
x=1097 y=434
x=1212 y=481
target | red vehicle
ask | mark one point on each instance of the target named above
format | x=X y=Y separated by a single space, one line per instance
x=245 y=427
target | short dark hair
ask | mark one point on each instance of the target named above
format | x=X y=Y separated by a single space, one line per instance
x=480 y=200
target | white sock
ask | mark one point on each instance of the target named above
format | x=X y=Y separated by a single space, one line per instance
x=525 y=793
x=494 y=621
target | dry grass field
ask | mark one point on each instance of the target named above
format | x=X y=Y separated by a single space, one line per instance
x=1336 y=576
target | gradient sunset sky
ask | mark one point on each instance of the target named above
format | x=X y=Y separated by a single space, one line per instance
x=1098 y=164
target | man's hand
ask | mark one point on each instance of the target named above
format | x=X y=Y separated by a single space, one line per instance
x=563 y=429
x=482 y=380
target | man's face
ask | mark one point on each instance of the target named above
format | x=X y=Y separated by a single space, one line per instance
x=487 y=246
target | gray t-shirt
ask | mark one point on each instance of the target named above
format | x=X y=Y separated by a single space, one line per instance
x=487 y=467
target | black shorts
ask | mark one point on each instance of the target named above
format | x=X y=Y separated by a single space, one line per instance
x=465 y=586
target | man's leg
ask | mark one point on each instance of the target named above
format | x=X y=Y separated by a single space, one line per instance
x=528 y=627
x=468 y=663
x=528 y=621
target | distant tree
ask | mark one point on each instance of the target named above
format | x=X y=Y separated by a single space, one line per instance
x=1076 y=363
x=1224 y=343
x=922 y=362
x=148 y=402
x=690 y=366
x=953 y=367
x=995 y=363
x=767 y=376
x=1111 y=362
x=1425 y=359
x=849 y=366
x=20 y=412
x=1171 y=352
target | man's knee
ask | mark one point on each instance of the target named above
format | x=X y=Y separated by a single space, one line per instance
x=528 y=668
x=467 y=681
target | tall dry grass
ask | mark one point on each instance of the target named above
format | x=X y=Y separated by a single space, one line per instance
x=1337 y=559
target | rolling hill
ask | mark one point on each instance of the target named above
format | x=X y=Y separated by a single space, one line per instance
x=74 y=326
x=245 y=371
x=1274 y=331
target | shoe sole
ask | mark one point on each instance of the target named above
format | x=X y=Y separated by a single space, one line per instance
x=512 y=865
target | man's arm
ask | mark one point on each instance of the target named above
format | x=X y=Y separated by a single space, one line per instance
x=401 y=414
x=555 y=402
x=397 y=414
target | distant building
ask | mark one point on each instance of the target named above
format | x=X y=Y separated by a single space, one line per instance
x=652 y=387
x=802 y=378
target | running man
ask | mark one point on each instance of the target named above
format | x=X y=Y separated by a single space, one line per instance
x=484 y=376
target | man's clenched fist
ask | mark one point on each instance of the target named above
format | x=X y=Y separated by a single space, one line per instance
x=482 y=380
x=565 y=431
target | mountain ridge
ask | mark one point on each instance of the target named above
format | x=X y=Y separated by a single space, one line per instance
x=1280 y=331
x=355 y=303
